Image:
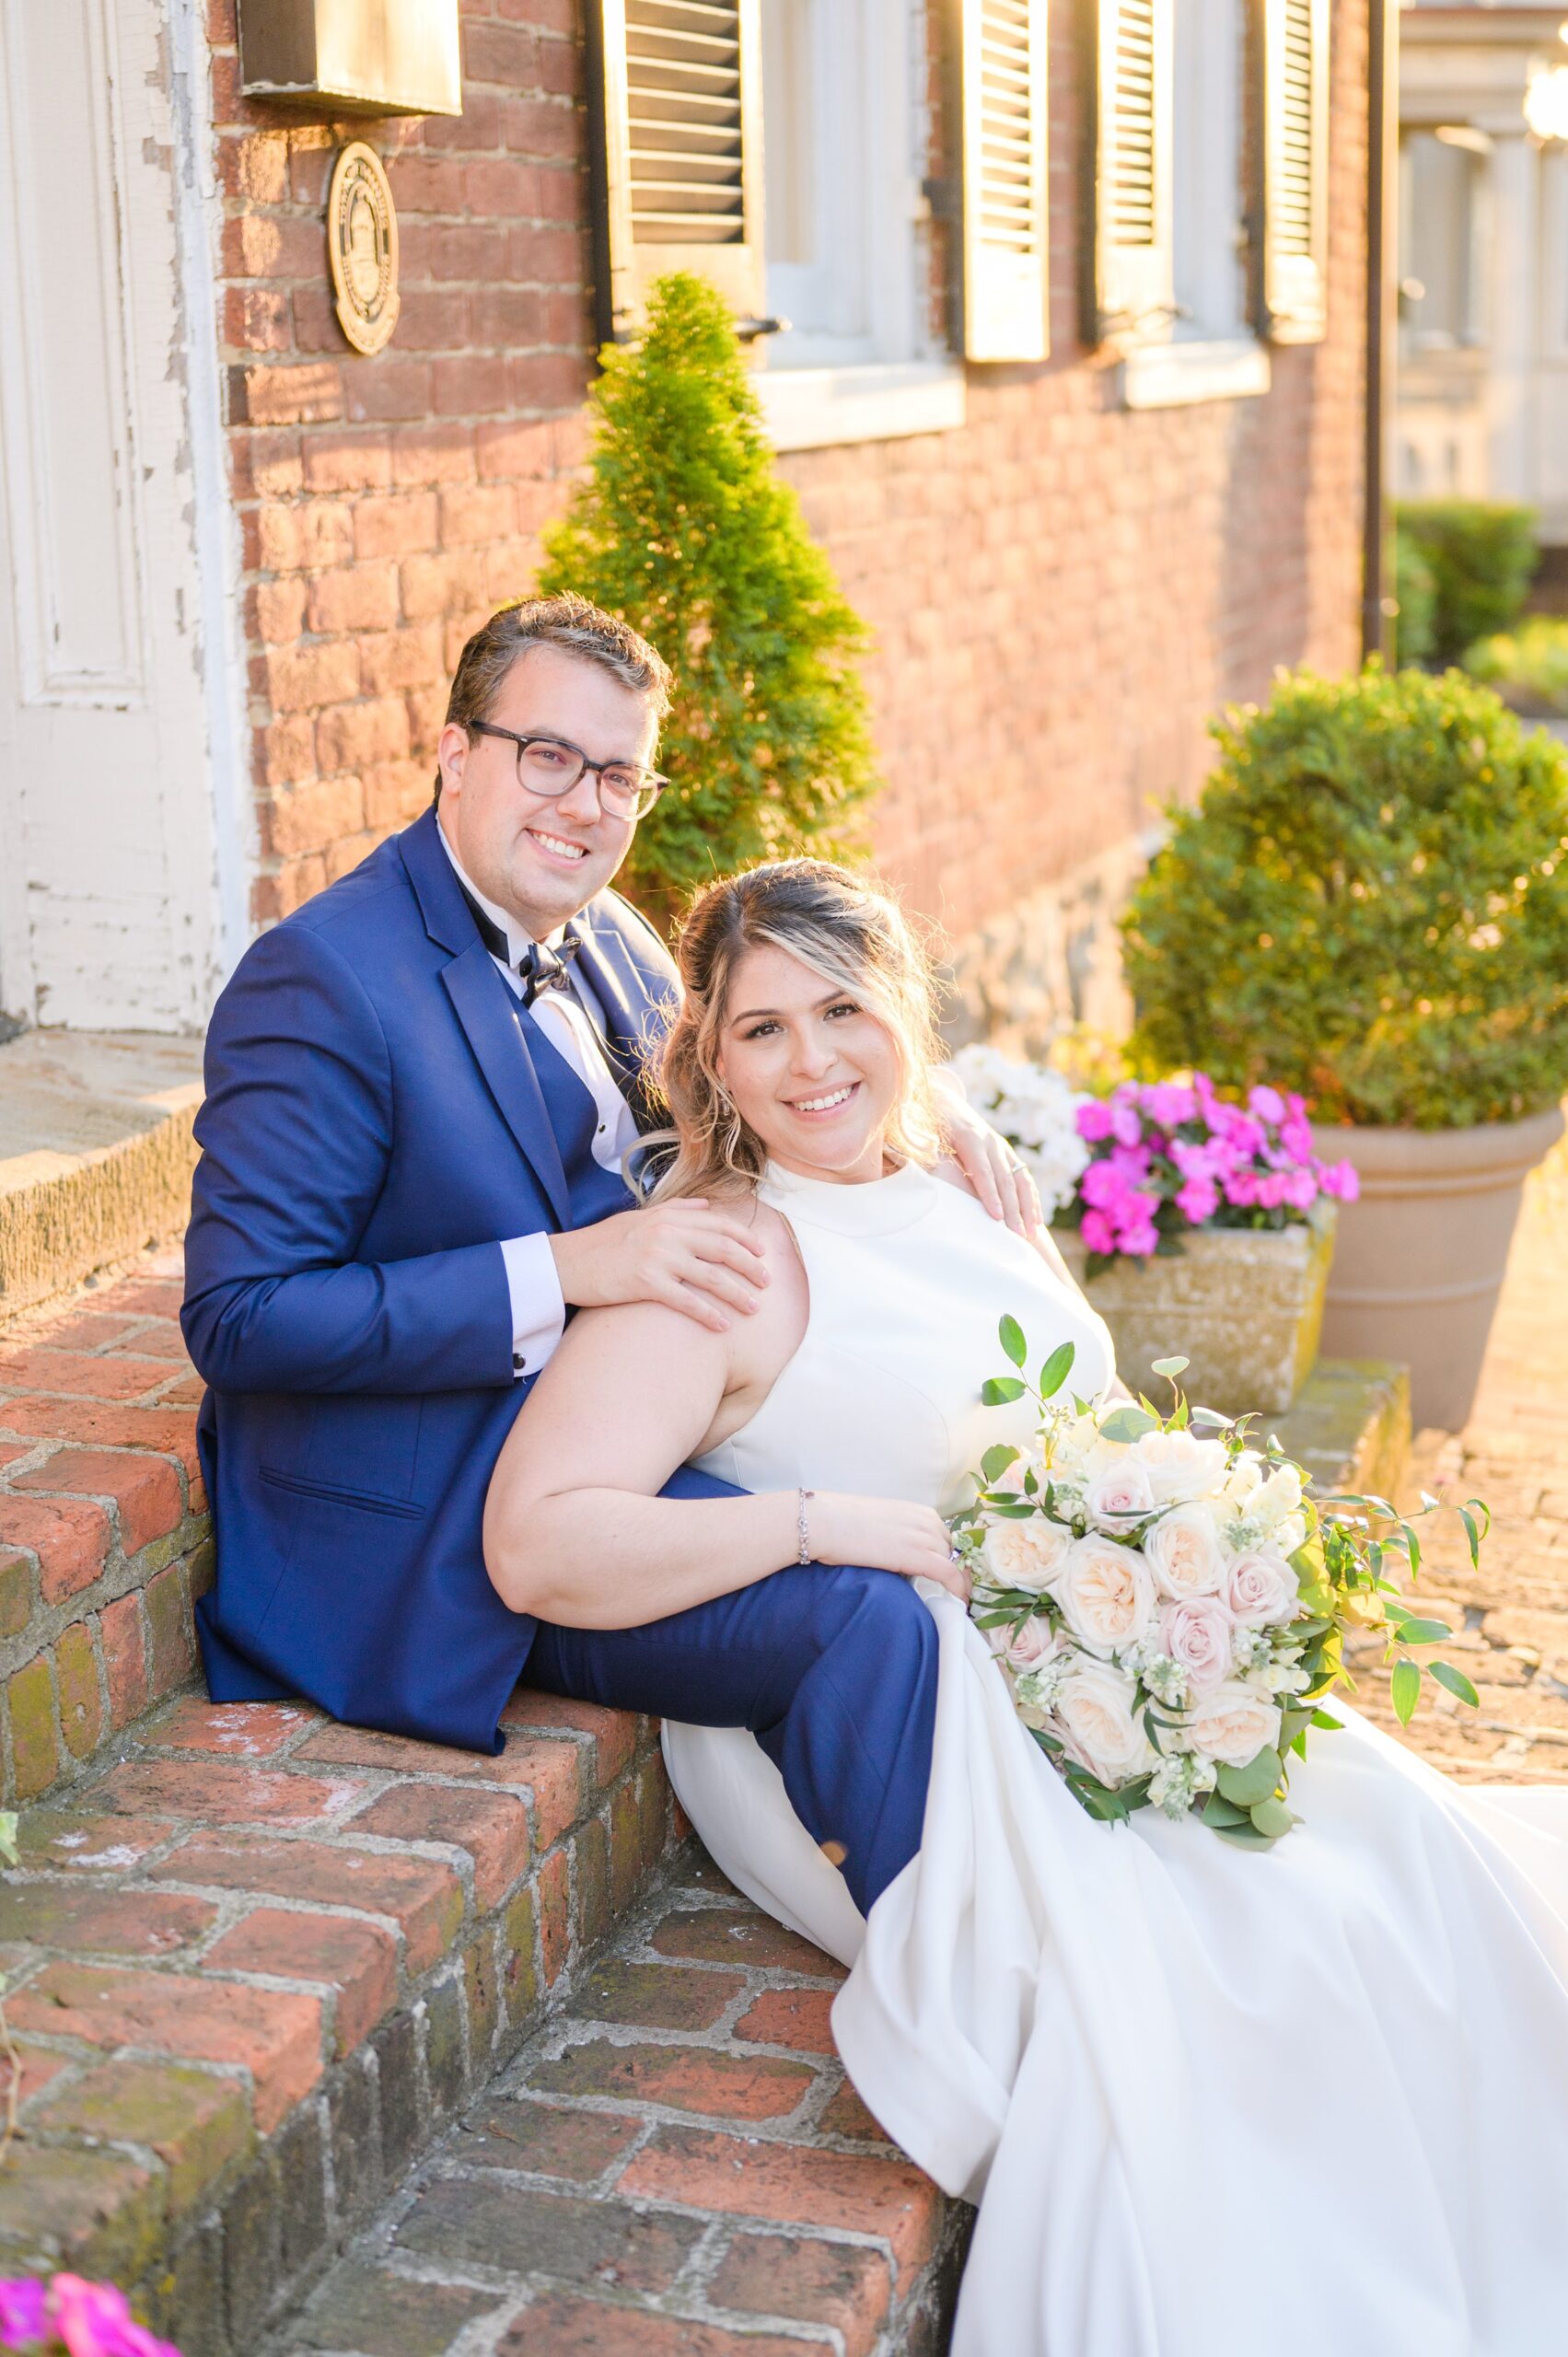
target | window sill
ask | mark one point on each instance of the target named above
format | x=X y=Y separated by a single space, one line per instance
x=1172 y=375
x=808 y=409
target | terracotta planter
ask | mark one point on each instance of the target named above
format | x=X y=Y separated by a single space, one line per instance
x=1243 y=1304
x=1422 y=1254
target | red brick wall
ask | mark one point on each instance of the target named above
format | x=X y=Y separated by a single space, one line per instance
x=1063 y=591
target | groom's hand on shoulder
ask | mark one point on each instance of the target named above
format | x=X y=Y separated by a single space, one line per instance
x=688 y=1254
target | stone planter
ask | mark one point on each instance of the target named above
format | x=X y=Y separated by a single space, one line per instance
x=1422 y=1254
x=1243 y=1304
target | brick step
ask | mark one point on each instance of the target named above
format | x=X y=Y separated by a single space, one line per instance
x=257 y=1961
x=674 y=2165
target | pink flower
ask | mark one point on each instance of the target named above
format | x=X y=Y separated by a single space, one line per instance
x=1133 y=1161
x=1301 y=1190
x=1139 y=1240
x=1295 y=1136
x=1268 y=1104
x=1198 y=1199
x=1271 y=1185
x=95 y=2320
x=1200 y=1634
x=1340 y=1178
x=1193 y=1161
x=1094 y=1120
x=1169 y=1103
x=21 y=2311
x=1125 y=1126
x=1097 y=1231
x=1033 y=1643
x=1241 y=1189
x=1102 y=1185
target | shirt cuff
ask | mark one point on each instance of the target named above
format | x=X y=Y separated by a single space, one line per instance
x=539 y=1313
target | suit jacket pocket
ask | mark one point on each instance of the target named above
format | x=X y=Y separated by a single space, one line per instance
x=365 y=1447
x=333 y=1493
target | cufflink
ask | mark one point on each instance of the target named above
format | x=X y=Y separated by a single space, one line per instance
x=519 y=1366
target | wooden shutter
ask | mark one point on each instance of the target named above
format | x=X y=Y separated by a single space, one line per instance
x=1003 y=84
x=1127 y=279
x=676 y=151
x=1295 y=175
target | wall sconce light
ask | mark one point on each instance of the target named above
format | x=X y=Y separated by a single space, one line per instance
x=1546 y=97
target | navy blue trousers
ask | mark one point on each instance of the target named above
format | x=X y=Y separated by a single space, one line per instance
x=833 y=1671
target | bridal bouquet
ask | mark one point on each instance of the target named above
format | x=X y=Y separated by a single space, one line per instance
x=1169 y=1604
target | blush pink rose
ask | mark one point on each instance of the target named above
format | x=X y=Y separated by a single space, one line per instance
x=1094 y=1715
x=1200 y=1635
x=1184 y=1553
x=1106 y=1593
x=1121 y=1494
x=1232 y=1724
x=1033 y=1643
x=1261 y=1589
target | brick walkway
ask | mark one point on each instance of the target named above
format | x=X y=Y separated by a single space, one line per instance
x=675 y=2167
x=1512 y=1615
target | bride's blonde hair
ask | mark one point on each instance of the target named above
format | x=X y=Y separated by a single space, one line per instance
x=843 y=928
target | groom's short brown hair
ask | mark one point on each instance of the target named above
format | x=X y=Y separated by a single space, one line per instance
x=567 y=622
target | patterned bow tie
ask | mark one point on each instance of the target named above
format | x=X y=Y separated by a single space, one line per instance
x=546 y=970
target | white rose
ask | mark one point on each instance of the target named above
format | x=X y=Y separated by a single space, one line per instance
x=1184 y=1553
x=1261 y=1589
x=1120 y=1494
x=1233 y=1724
x=1198 y=1634
x=1025 y=1554
x=1106 y=1593
x=1095 y=1717
x=1244 y=1481
x=1180 y=1465
x=1291 y=1532
x=1279 y=1495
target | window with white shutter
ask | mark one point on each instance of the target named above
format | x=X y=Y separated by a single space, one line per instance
x=1003 y=83
x=1127 y=278
x=1295 y=177
x=676 y=152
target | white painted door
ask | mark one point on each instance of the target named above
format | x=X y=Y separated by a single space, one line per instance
x=108 y=906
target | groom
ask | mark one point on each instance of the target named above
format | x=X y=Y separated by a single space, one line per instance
x=420 y=1088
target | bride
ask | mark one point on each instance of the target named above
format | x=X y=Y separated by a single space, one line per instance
x=1213 y=2103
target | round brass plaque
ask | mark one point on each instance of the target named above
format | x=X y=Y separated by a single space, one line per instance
x=362 y=240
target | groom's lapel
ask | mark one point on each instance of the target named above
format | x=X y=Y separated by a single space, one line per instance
x=633 y=1015
x=486 y=1008
x=489 y=1014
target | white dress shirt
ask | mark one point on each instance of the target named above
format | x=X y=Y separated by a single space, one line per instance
x=574 y=1022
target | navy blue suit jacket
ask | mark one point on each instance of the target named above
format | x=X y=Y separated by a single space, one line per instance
x=372 y=1126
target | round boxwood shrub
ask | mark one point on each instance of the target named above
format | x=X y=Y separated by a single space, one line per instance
x=1370 y=903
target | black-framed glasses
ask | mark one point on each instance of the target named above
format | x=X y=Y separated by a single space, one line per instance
x=550 y=766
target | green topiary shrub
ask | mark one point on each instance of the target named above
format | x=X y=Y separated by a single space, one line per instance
x=684 y=529
x=1482 y=555
x=1528 y=666
x=1415 y=594
x=1368 y=904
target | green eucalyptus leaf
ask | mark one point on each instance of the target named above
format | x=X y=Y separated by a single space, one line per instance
x=1246 y=1837
x=1423 y=1632
x=1272 y=1817
x=1056 y=1370
x=1001 y=1391
x=1254 y=1783
x=1405 y=1688
x=1456 y=1681
x=1219 y=1812
x=1011 y=1336
x=1171 y=1368
x=996 y=1461
x=1128 y=1424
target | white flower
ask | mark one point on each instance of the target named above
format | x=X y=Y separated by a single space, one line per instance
x=1019 y=1553
x=1094 y=1716
x=1035 y=1109
x=1233 y=1724
x=1291 y=1532
x=1261 y=1589
x=1244 y=1480
x=1106 y=1593
x=1178 y=1778
x=1119 y=1494
x=1163 y=1679
x=1184 y=1553
x=1180 y=1465
x=1280 y=1496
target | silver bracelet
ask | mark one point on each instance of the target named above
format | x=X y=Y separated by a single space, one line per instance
x=801 y=1524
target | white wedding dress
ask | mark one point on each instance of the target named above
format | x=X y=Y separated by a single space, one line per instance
x=1219 y=2102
